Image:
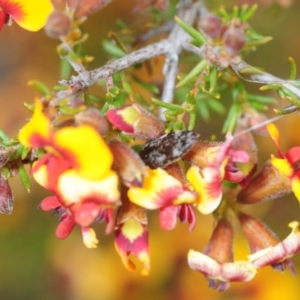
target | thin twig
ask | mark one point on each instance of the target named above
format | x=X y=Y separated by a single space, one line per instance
x=171 y=47
x=188 y=12
x=259 y=76
x=87 y=78
x=263 y=77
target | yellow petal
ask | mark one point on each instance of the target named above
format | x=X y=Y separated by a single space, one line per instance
x=273 y=131
x=32 y=15
x=129 y=114
x=296 y=187
x=208 y=198
x=36 y=129
x=282 y=165
x=85 y=149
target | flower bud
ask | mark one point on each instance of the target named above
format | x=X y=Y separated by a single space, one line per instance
x=176 y=171
x=127 y=164
x=129 y=210
x=136 y=121
x=211 y=25
x=268 y=184
x=201 y=151
x=4 y=156
x=6 y=197
x=220 y=245
x=58 y=25
x=93 y=117
x=245 y=141
x=258 y=235
x=234 y=39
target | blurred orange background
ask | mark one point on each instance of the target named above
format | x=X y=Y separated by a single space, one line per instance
x=35 y=265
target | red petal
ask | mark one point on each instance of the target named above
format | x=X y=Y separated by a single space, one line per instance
x=232 y=173
x=238 y=156
x=86 y=213
x=65 y=226
x=49 y=203
x=118 y=121
x=168 y=217
x=293 y=155
x=4 y=17
x=109 y=217
x=186 y=213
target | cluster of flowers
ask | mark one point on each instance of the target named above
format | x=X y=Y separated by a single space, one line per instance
x=92 y=174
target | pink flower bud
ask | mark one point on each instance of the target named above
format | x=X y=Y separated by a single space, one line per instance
x=136 y=121
x=211 y=25
x=6 y=197
x=127 y=164
x=4 y=156
x=58 y=25
x=93 y=117
x=234 y=39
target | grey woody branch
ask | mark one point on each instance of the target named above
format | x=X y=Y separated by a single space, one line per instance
x=258 y=76
x=171 y=48
x=263 y=77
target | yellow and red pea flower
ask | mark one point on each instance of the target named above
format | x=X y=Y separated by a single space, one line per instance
x=29 y=14
x=287 y=163
x=162 y=191
x=280 y=254
x=131 y=235
x=207 y=181
x=76 y=168
x=208 y=185
x=204 y=153
x=266 y=248
x=216 y=263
